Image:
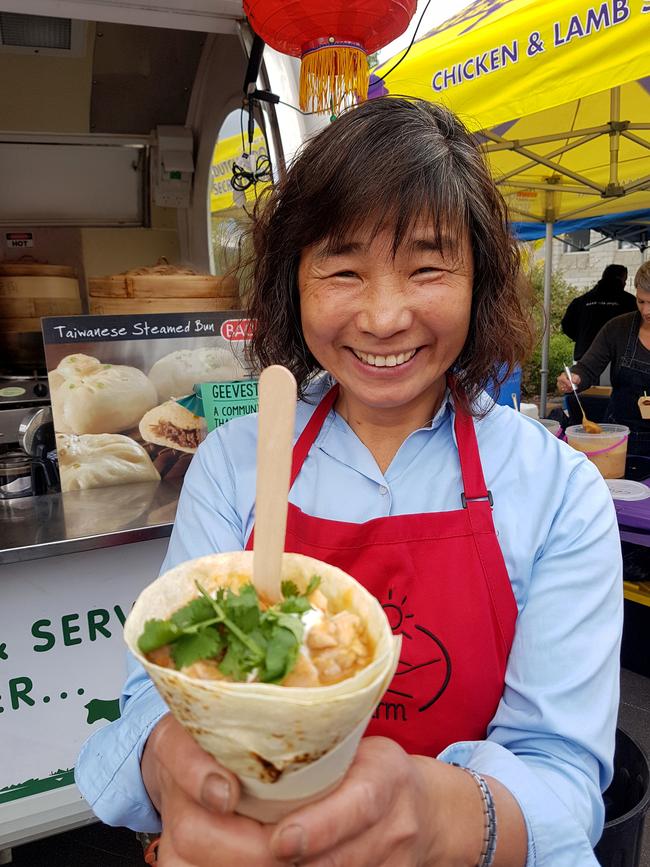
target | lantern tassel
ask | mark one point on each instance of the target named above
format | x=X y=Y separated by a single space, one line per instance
x=331 y=74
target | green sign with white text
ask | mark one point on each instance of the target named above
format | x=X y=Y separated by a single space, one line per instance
x=223 y=401
x=62 y=658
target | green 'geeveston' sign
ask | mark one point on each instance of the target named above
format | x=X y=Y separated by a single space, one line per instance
x=223 y=401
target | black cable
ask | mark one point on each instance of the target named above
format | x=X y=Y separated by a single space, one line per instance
x=251 y=124
x=242 y=179
x=254 y=63
x=241 y=128
x=299 y=110
x=247 y=175
x=415 y=33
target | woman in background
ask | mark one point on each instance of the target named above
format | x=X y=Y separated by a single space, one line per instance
x=625 y=343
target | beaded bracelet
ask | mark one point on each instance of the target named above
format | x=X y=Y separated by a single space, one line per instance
x=488 y=850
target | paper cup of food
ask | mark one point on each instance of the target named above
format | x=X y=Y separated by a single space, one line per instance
x=280 y=694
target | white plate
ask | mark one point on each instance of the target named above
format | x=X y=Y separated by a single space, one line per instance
x=624 y=489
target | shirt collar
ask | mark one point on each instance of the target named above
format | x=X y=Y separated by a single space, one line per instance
x=351 y=451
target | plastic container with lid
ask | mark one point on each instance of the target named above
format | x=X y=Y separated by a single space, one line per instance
x=607 y=450
x=529 y=409
x=552 y=426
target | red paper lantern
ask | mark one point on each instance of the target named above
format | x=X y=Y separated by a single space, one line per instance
x=333 y=38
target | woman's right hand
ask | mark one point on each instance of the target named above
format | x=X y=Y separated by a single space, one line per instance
x=196 y=797
x=564 y=385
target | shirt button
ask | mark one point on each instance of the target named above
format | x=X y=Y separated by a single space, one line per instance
x=383 y=490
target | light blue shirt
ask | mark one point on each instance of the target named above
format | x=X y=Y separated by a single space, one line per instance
x=552 y=738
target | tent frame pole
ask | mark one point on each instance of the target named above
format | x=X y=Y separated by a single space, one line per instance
x=615 y=134
x=546 y=339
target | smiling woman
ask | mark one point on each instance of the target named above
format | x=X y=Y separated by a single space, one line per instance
x=402 y=183
x=387 y=325
x=386 y=279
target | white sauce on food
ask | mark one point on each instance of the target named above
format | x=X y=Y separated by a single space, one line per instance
x=309 y=619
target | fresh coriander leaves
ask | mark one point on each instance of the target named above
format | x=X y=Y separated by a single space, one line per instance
x=244 y=609
x=295 y=605
x=232 y=629
x=289 y=588
x=281 y=654
x=314 y=584
x=193 y=613
x=204 y=644
x=156 y=634
x=294 y=601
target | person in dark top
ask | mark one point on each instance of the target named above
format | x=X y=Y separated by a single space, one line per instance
x=625 y=342
x=587 y=313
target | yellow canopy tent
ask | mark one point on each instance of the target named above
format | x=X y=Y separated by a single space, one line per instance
x=560 y=93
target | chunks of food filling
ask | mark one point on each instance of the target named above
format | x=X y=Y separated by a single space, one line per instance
x=187 y=438
x=298 y=642
x=334 y=648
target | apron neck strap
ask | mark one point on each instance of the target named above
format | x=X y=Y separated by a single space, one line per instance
x=633 y=335
x=474 y=487
x=309 y=434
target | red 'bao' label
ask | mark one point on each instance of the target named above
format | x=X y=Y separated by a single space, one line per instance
x=238 y=329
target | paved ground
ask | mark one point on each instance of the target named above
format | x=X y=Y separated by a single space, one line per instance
x=91 y=846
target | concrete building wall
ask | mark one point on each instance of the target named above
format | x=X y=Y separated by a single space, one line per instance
x=584 y=268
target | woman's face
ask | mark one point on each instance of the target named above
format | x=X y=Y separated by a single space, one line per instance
x=643 y=303
x=387 y=327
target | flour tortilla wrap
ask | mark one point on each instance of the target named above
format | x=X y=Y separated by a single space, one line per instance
x=287 y=745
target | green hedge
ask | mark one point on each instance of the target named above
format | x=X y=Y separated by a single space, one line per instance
x=561 y=348
x=560 y=353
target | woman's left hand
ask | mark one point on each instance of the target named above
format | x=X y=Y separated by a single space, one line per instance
x=383 y=814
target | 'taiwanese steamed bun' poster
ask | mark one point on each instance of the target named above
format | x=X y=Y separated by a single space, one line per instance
x=115 y=382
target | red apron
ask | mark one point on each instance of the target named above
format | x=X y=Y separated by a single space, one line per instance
x=442 y=581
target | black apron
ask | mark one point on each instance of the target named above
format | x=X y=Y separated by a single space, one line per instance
x=632 y=380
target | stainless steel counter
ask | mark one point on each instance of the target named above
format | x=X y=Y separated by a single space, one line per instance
x=35 y=527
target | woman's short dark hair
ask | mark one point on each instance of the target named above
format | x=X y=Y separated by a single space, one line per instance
x=391 y=162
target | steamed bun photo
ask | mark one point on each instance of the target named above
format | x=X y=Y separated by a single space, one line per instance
x=176 y=374
x=89 y=397
x=100 y=460
x=172 y=426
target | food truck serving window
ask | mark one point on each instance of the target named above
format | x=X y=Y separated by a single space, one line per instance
x=109 y=188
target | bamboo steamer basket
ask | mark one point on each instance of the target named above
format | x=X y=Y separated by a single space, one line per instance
x=27 y=268
x=114 y=306
x=21 y=323
x=30 y=307
x=163 y=288
x=29 y=290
